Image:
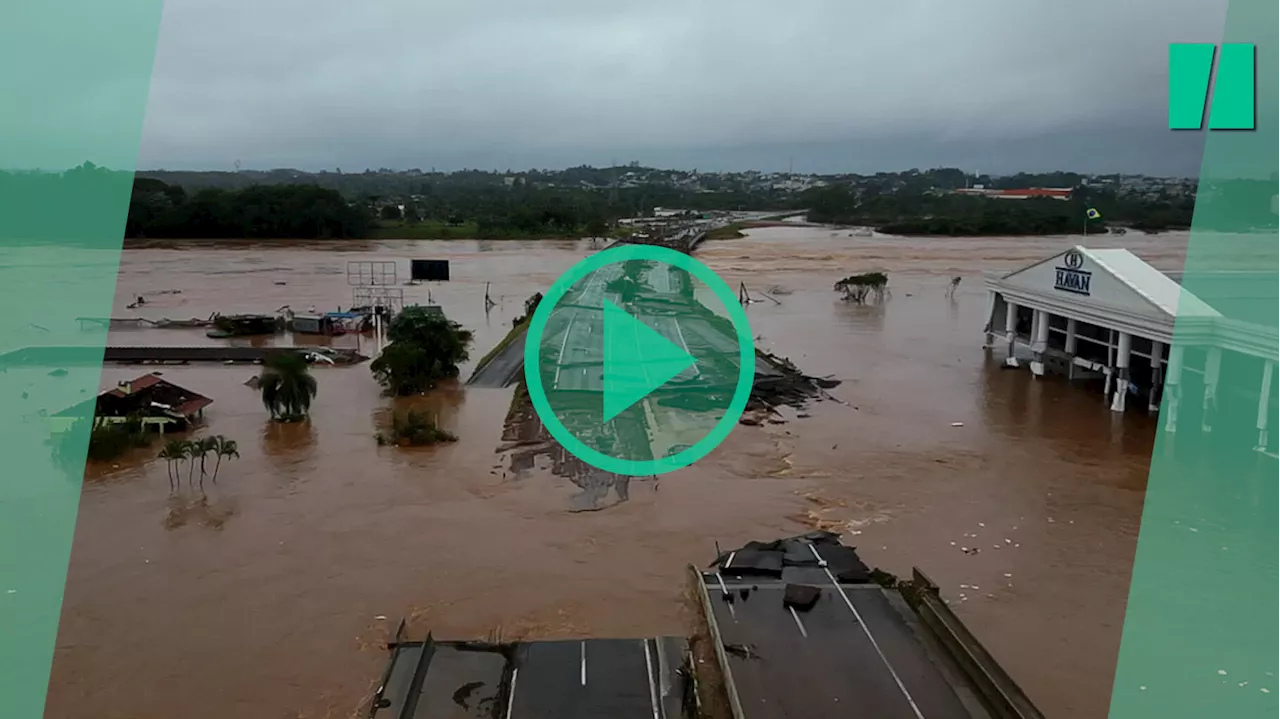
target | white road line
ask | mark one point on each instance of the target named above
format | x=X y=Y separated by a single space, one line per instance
x=680 y=332
x=511 y=698
x=560 y=358
x=799 y=623
x=728 y=598
x=865 y=630
x=584 y=664
x=653 y=689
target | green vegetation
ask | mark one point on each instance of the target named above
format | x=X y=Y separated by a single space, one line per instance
x=587 y=201
x=287 y=386
x=728 y=232
x=414 y=428
x=910 y=211
x=281 y=211
x=177 y=451
x=857 y=288
x=425 y=348
x=107 y=440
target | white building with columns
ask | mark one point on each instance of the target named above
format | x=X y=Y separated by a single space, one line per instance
x=1105 y=316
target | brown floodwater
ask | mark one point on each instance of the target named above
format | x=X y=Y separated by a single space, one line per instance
x=270 y=597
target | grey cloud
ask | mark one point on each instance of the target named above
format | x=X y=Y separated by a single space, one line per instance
x=483 y=83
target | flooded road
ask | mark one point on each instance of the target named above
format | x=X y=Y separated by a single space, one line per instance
x=271 y=597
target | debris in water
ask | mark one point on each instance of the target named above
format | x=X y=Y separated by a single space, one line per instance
x=1223 y=672
x=381 y=617
x=957 y=424
x=980 y=524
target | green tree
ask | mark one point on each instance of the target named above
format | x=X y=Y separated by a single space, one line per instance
x=390 y=212
x=287 y=386
x=173 y=452
x=191 y=450
x=224 y=448
x=207 y=446
x=425 y=348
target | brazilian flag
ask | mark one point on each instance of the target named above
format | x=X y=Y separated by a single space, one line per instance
x=1093 y=214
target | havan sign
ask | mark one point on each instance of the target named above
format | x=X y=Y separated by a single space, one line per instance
x=1071 y=278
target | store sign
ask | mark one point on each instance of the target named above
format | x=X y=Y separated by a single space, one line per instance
x=1070 y=277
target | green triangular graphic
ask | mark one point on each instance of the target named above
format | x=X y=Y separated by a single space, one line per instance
x=637 y=360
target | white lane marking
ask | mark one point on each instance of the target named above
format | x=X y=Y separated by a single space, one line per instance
x=511 y=698
x=728 y=598
x=799 y=623
x=653 y=690
x=865 y=630
x=584 y=664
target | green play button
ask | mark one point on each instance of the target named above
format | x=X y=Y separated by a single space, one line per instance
x=639 y=360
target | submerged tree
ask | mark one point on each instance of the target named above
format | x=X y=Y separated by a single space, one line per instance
x=857 y=288
x=224 y=448
x=287 y=386
x=177 y=451
x=425 y=348
x=414 y=428
x=173 y=453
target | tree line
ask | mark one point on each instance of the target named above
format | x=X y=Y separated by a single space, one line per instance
x=157 y=209
x=944 y=213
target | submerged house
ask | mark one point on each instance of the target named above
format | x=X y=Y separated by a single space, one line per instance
x=326 y=324
x=161 y=405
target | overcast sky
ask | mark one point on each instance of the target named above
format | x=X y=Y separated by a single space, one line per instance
x=826 y=85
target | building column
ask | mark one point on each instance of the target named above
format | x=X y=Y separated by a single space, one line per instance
x=1070 y=348
x=1111 y=363
x=1212 y=368
x=1173 y=388
x=1264 y=403
x=989 y=332
x=1157 y=354
x=1010 y=331
x=1122 y=372
x=1039 y=341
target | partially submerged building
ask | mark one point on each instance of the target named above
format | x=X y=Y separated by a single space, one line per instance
x=1105 y=314
x=160 y=405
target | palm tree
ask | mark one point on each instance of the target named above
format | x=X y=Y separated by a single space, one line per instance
x=287 y=386
x=174 y=451
x=205 y=446
x=225 y=448
x=191 y=449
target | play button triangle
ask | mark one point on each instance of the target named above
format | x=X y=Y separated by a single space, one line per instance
x=637 y=360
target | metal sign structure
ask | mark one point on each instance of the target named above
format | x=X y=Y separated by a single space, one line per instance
x=391 y=298
x=372 y=273
x=374 y=283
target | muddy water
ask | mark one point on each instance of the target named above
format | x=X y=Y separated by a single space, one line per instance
x=270 y=597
